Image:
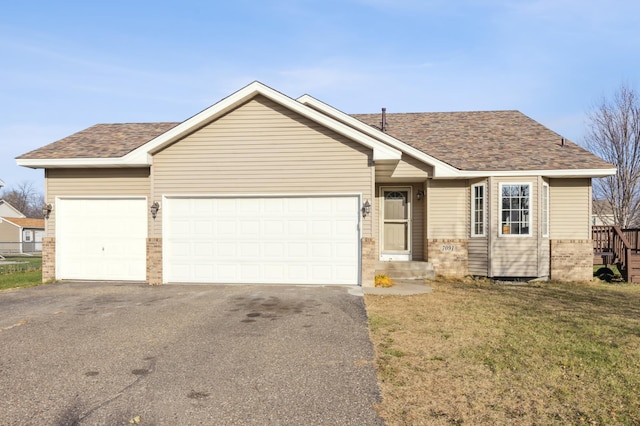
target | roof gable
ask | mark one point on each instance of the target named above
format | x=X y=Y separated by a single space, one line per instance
x=6 y=209
x=138 y=152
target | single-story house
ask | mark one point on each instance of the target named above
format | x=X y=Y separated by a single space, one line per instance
x=7 y=210
x=264 y=188
x=19 y=234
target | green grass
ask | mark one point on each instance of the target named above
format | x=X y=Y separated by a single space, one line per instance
x=27 y=273
x=481 y=353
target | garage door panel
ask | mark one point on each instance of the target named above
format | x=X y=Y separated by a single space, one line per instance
x=263 y=240
x=101 y=239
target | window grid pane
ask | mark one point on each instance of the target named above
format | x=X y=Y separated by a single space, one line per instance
x=515 y=209
x=545 y=210
x=478 y=214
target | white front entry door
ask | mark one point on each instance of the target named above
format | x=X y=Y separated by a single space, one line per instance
x=101 y=238
x=395 y=223
x=264 y=240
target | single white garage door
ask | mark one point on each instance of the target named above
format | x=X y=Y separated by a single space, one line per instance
x=269 y=240
x=101 y=239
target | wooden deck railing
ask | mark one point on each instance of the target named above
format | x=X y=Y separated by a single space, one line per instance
x=633 y=237
x=618 y=246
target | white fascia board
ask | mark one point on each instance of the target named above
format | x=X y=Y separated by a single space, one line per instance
x=441 y=169
x=564 y=173
x=380 y=150
x=54 y=163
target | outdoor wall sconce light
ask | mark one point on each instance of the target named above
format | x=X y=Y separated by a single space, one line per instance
x=46 y=210
x=420 y=195
x=366 y=208
x=154 y=209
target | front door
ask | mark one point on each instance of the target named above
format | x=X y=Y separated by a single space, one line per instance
x=396 y=224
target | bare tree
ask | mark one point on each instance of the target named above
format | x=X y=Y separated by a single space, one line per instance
x=614 y=134
x=25 y=198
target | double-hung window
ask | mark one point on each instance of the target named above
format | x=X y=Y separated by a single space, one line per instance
x=515 y=209
x=545 y=210
x=478 y=209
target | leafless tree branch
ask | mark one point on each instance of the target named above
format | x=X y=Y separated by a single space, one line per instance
x=614 y=134
x=26 y=198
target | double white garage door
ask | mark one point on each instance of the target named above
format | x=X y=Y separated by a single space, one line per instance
x=288 y=240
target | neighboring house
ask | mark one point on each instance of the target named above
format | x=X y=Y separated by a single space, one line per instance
x=8 y=210
x=602 y=213
x=263 y=188
x=17 y=233
x=21 y=235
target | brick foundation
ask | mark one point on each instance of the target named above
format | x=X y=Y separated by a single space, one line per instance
x=369 y=257
x=48 y=259
x=449 y=257
x=572 y=260
x=154 y=261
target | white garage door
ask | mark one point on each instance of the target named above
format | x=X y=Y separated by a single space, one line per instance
x=271 y=240
x=101 y=239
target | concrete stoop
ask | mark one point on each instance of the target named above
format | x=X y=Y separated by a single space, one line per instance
x=410 y=270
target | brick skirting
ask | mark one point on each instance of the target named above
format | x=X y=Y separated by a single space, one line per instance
x=449 y=257
x=572 y=260
x=369 y=258
x=48 y=259
x=154 y=261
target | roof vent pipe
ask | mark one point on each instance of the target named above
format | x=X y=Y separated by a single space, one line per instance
x=562 y=142
x=383 y=123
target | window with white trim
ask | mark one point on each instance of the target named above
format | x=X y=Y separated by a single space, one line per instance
x=515 y=205
x=478 y=209
x=545 y=210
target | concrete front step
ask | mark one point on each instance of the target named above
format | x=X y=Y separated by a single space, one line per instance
x=405 y=270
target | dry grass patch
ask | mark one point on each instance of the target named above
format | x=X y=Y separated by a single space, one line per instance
x=474 y=352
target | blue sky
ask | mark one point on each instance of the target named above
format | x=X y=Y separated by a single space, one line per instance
x=67 y=65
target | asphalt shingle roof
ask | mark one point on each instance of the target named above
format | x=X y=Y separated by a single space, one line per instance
x=26 y=222
x=483 y=140
x=101 y=141
x=487 y=140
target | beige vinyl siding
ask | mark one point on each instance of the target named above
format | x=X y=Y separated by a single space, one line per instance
x=263 y=148
x=408 y=169
x=570 y=213
x=92 y=183
x=448 y=204
x=9 y=233
x=544 y=265
x=478 y=256
x=479 y=246
x=514 y=256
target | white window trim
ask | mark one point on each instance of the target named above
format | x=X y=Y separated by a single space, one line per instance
x=545 y=225
x=529 y=234
x=484 y=210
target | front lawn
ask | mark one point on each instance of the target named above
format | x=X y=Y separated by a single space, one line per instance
x=473 y=352
x=26 y=273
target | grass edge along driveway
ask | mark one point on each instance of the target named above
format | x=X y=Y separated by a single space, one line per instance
x=474 y=352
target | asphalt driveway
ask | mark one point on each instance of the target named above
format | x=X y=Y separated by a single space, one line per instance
x=96 y=353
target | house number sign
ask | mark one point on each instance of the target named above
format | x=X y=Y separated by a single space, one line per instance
x=445 y=248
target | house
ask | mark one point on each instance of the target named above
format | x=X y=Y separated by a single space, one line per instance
x=602 y=213
x=19 y=234
x=264 y=188
x=7 y=210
